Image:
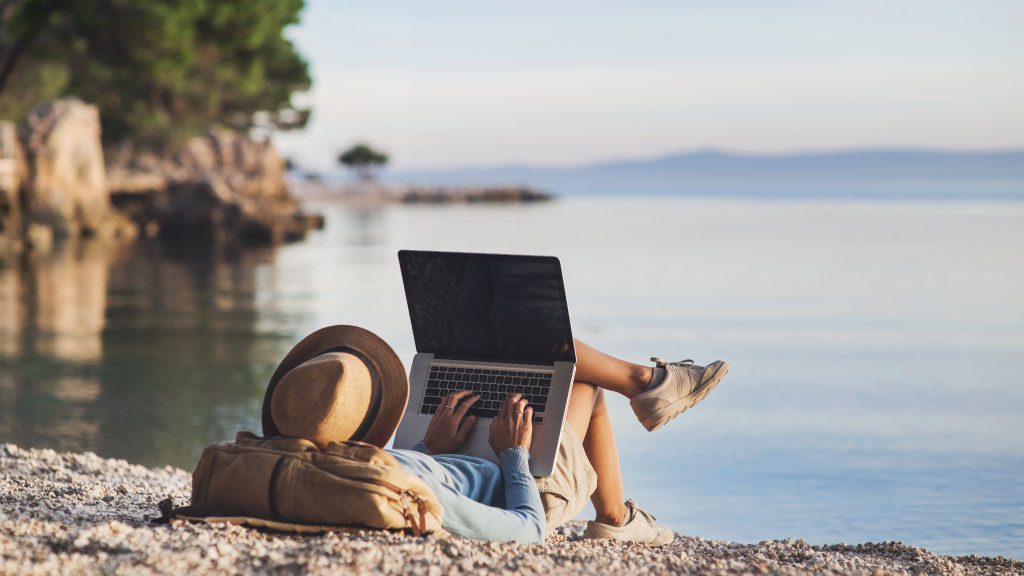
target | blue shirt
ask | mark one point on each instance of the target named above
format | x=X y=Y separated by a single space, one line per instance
x=481 y=499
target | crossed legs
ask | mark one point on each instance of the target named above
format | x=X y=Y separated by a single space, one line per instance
x=588 y=415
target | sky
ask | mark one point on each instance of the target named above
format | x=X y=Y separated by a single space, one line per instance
x=454 y=83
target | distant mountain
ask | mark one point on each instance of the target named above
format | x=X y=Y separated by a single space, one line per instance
x=888 y=173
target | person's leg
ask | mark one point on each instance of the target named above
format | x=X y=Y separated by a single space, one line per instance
x=610 y=373
x=588 y=415
x=656 y=394
x=581 y=406
x=599 y=444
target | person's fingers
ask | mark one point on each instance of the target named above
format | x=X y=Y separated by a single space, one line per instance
x=453 y=401
x=464 y=407
x=503 y=413
x=518 y=408
x=513 y=408
x=454 y=397
x=528 y=426
x=443 y=410
x=464 y=427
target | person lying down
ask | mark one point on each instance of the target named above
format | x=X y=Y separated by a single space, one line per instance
x=345 y=383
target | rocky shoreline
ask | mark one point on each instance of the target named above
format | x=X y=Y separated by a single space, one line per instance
x=379 y=194
x=65 y=513
x=58 y=182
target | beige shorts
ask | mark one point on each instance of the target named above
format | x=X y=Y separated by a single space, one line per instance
x=565 y=492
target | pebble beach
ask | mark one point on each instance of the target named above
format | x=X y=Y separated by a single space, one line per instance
x=66 y=513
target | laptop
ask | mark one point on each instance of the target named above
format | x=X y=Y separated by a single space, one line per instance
x=495 y=324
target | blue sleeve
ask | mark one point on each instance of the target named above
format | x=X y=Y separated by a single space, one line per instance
x=522 y=520
x=421 y=447
x=521 y=494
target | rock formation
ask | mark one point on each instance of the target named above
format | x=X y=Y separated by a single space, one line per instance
x=66 y=187
x=54 y=183
x=378 y=193
x=483 y=194
x=219 y=186
x=13 y=173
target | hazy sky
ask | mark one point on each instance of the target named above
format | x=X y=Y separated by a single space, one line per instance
x=468 y=83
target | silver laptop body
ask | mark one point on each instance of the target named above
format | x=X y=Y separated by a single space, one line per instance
x=494 y=324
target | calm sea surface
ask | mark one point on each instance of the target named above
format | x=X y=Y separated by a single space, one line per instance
x=877 y=349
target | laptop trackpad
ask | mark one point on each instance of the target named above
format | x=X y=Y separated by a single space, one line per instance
x=478 y=444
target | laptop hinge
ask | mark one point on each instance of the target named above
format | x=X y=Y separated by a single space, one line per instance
x=438 y=357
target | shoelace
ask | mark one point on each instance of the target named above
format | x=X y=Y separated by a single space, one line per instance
x=661 y=363
x=650 y=517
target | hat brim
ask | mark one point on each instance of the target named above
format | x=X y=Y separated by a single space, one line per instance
x=394 y=382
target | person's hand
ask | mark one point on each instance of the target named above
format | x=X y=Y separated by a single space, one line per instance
x=513 y=426
x=449 y=427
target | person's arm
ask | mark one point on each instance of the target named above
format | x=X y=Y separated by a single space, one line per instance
x=521 y=494
x=510 y=436
x=511 y=433
x=521 y=521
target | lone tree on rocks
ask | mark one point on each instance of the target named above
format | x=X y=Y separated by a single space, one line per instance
x=365 y=161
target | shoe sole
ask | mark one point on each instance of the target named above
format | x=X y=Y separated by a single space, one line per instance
x=713 y=374
x=663 y=538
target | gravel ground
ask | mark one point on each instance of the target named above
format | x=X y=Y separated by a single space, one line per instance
x=80 y=514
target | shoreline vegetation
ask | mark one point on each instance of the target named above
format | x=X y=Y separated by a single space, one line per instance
x=68 y=513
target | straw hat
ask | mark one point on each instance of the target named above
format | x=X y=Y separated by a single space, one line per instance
x=339 y=383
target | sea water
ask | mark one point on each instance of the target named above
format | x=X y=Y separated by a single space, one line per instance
x=877 y=349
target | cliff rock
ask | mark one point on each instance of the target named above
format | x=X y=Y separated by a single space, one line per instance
x=221 y=185
x=13 y=173
x=67 y=185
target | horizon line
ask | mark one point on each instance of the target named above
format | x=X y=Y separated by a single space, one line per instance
x=713 y=151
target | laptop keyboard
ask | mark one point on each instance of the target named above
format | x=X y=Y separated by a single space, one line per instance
x=493 y=386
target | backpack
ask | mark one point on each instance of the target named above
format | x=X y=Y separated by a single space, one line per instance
x=291 y=484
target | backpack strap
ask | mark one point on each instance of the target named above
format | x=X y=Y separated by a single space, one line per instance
x=169 y=512
x=417 y=529
x=275 y=514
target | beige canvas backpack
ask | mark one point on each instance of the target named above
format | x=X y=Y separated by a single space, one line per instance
x=291 y=484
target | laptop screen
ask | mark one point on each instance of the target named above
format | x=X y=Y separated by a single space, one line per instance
x=487 y=307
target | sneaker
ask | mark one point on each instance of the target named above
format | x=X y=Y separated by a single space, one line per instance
x=675 y=387
x=639 y=527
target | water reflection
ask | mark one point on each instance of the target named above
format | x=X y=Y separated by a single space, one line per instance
x=135 y=352
x=364 y=223
x=53 y=305
x=53 y=315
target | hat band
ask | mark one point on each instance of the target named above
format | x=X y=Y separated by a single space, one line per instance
x=371 y=412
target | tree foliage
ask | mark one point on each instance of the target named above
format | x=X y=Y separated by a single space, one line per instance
x=157 y=69
x=364 y=160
